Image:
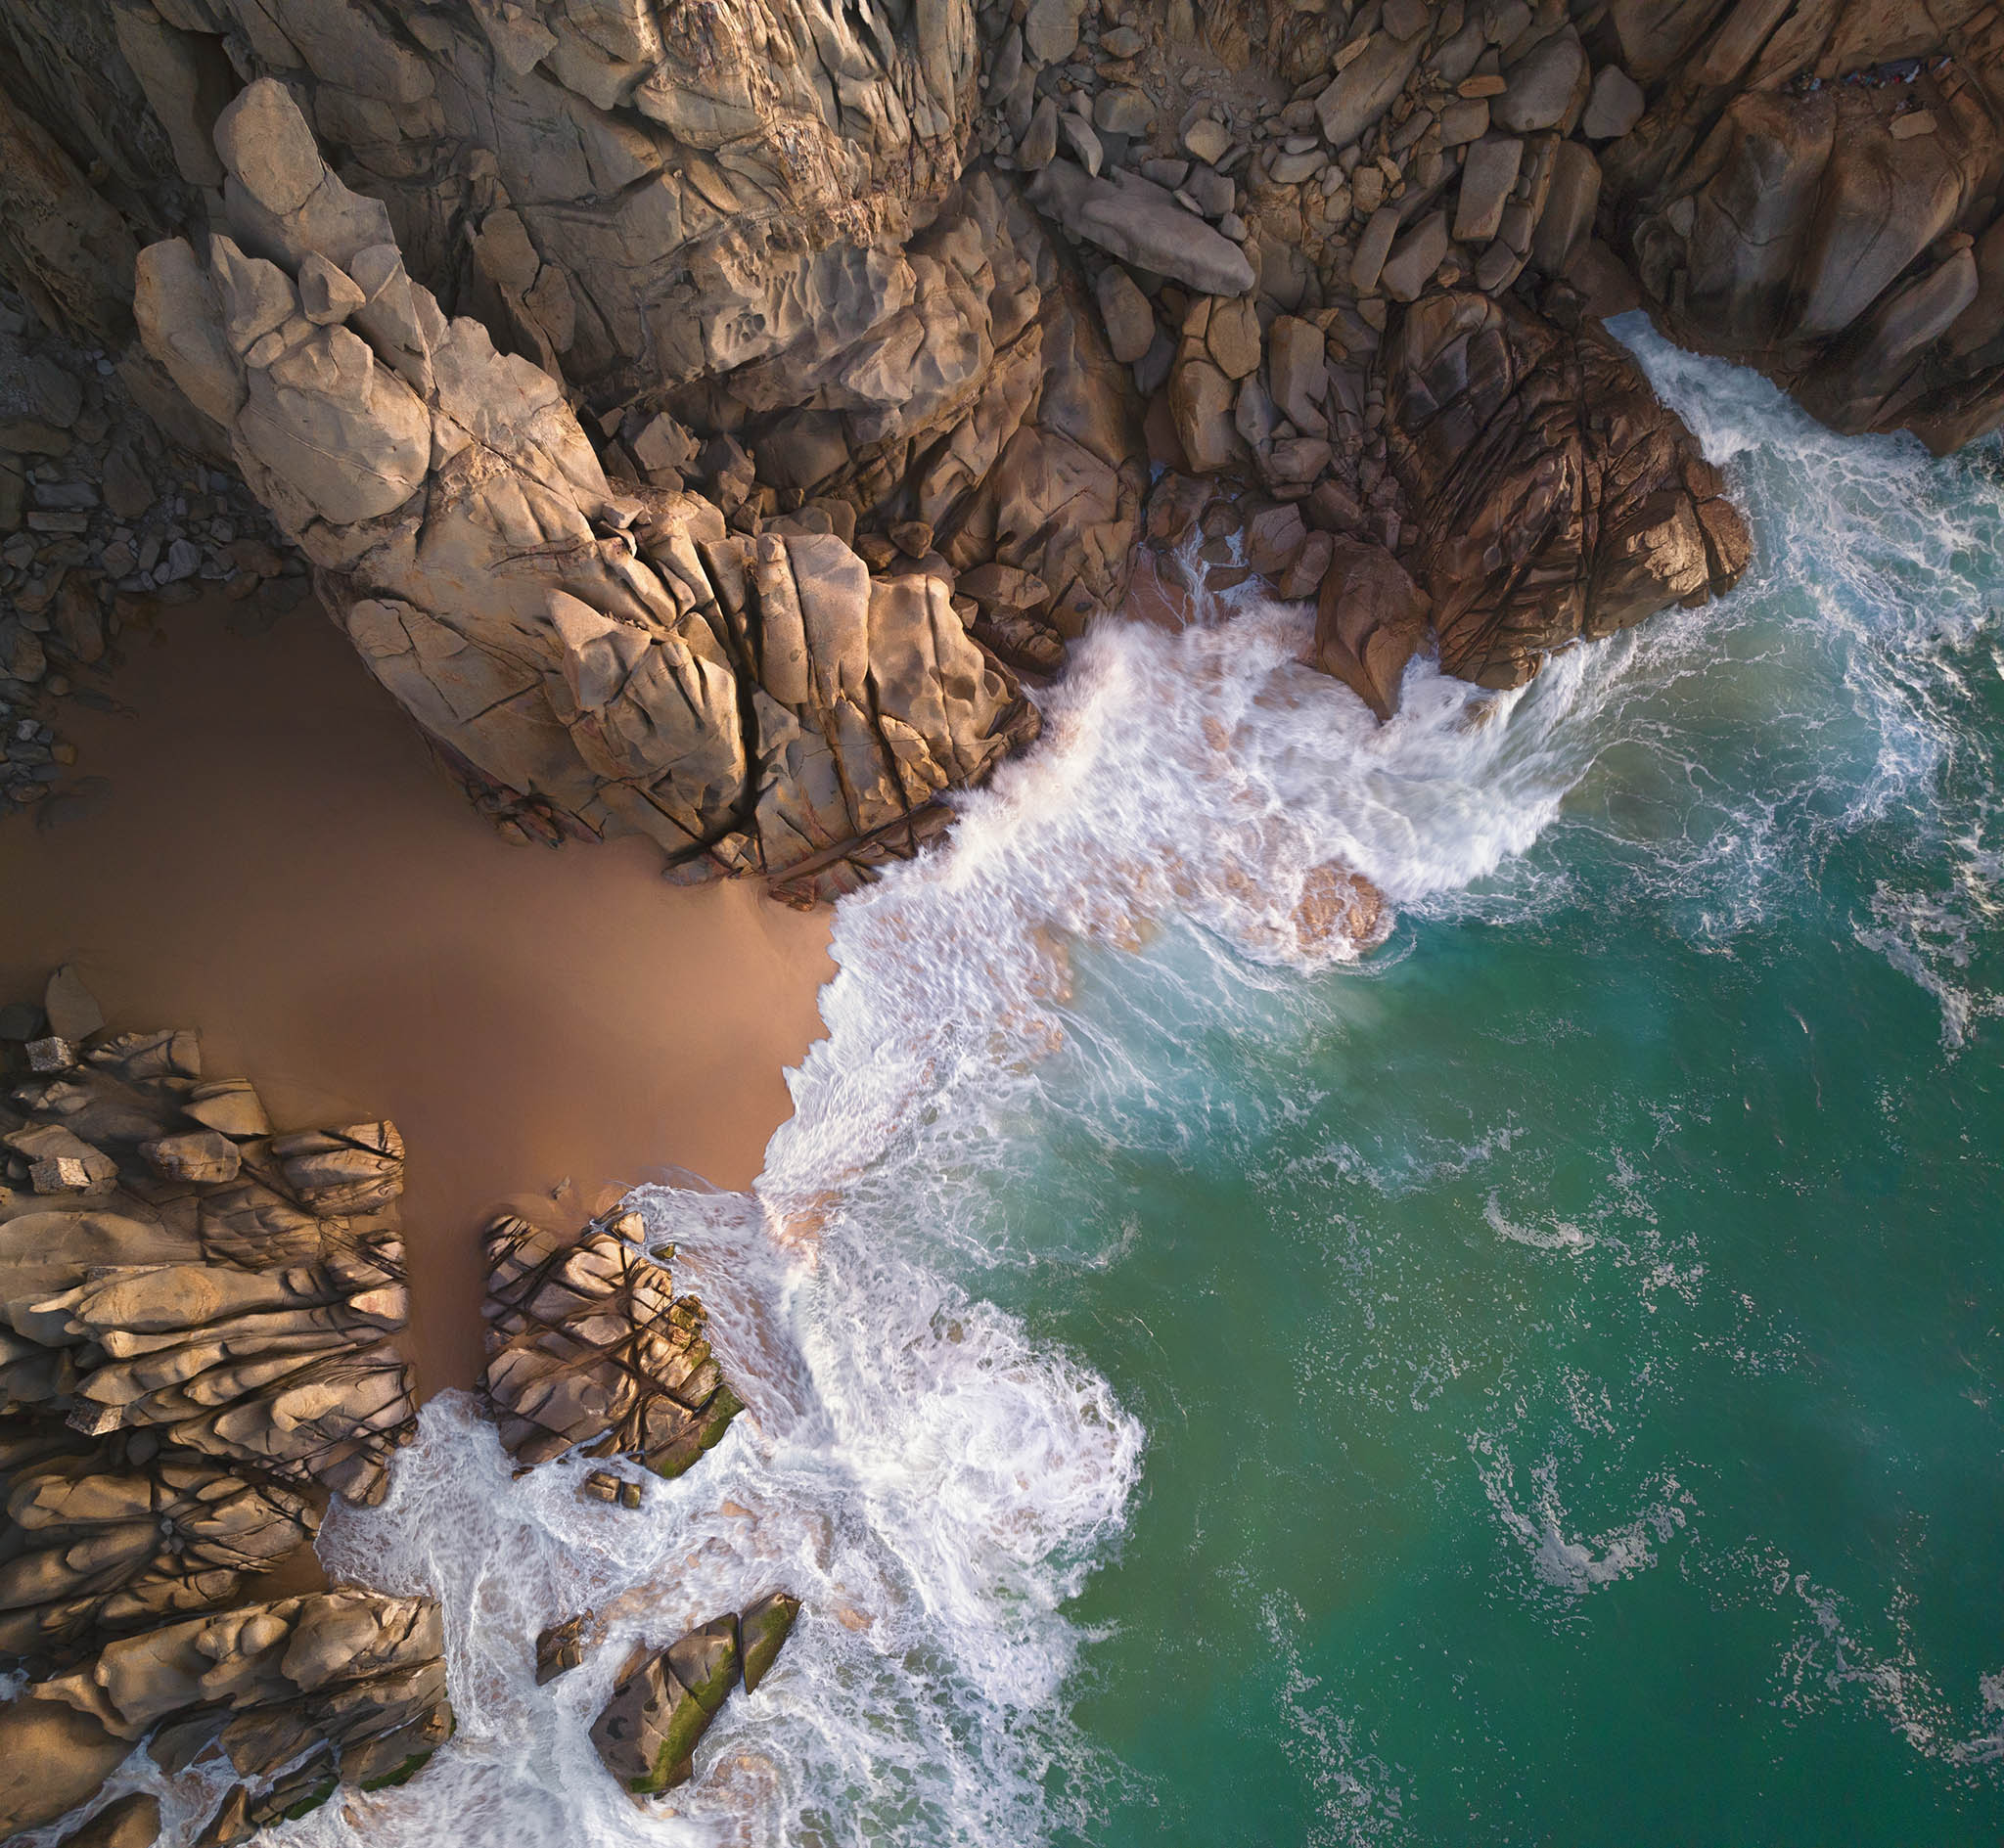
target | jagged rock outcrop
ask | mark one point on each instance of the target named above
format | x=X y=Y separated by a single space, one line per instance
x=622 y=657
x=300 y=1694
x=589 y=1348
x=1555 y=497
x=739 y=240
x=664 y=1700
x=1813 y=189
x=1369 y=620
x=1276 y=274
x=174 y=1273
x=198 y=1322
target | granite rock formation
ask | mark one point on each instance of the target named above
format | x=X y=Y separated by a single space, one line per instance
x=589 y=1349
x=197 y=1348
x=664 y=1699
x=1813 y=188
x=700 y=416
x=300 y=1694
x=1555 y=496
x=591 y=1352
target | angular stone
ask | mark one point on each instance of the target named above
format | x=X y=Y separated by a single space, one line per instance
x=1415 y=257
x=202 y=1157
x=1207 y=141
x=1488 y=176
x=1202 y=402
x=1364 y=88
x=1369 y=620
x=1123 y=110
x=1367 y=266
x=1614 y=105
x=1232 y=335
x=1298 y=372
x=72 y=1010
x=1570 y=207
x=264 y=139
x=328 y=293
x=1142 y=224
x=1039 y=144
x=1050 y=30
x=232 y=1107
x=1464 y=120
x=1544 y=85
x=1125 y=312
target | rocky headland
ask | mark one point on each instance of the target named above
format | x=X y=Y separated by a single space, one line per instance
x=712 y=420
x=704 y=418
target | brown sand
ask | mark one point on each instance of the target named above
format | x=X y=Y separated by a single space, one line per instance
x=278 y=862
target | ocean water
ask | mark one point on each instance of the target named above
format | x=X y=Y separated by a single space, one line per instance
x=1535 y=1377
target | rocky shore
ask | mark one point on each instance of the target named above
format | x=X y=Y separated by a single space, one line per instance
x=712 y=421
x=201 y=1318
x=703 y=420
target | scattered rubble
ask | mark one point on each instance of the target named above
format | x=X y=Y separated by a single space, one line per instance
x=104 y=525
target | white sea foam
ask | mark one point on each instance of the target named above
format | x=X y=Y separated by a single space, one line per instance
x=927 y=1479
x=932 y=1480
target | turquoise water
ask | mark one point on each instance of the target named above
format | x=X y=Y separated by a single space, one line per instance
x=1571 y=1343
x=1535 y=1378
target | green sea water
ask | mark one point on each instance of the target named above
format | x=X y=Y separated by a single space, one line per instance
x=1536 y=1379
x=1571 y=1342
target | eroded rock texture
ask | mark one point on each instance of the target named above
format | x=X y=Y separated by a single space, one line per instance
x=198 y=1322
x=300 y=1694
x=664 y=1699
x=1555 y=497
x=733 y=241
x=1813 y=189
x=589 y=1348
x=688 y=410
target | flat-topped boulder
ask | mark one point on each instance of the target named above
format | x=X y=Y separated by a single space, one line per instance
x=1141 y=223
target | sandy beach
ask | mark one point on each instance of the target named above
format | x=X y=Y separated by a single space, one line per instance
x=278 y=861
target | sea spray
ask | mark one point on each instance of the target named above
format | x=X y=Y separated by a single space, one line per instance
x=930 y=1483
x=936 y=1481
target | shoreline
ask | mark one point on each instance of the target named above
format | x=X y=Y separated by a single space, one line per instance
x=276 y=858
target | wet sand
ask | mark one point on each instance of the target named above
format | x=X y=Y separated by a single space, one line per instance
x=278 y=861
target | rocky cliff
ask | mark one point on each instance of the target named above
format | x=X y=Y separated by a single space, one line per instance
x=701 y=415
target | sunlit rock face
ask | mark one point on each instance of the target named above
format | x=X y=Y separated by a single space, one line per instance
x=198 y=1325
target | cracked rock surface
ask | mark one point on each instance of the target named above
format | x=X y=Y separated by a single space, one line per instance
x=590 y=1350
x=198 y=1348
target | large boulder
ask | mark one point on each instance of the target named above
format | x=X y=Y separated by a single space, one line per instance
x=590 y=1350
x=614 y=654
x=300 y=1695
x=1369 y=620
x=664 y=1700
x=1555 y=497
x=1807 y=203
